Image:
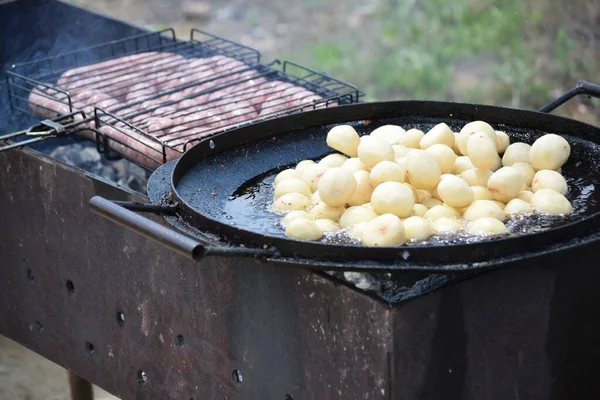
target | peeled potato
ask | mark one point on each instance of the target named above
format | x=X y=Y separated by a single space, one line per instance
x=372 y=151
x=411 y=138
x=441 y=211
x=455 y=148
x=336 y=186
x=502 y=141
x=417 y=228
x=434 y=192
x=444 y=156
x=483 y=209
x=422 y=194
x=476 y=176
x=419 y=210
x=363 y=191
x=388 y=133
x=471 y=128
x=462 y=164
x=500 y=204
x=292 y=201
x=506 y=183
x=516 y=152
x=344 y=139
x=315 y=198
x=422 y=169
x=400 y=150
x=333 y=160
x=432 y=202
x=455 y=192
x=386 y=171
x=487 y=226
x=385 y=230
x=393 y=198
x=292 y=185
x=481 y=193
x=312 y=174
x=356 y=231
x=517 y=206
x=327 y=225
x=527 y=171
x=302 y=165
x=446 y=226
x=354 y=164
x=548 y=179
x=551 y=202
x=292 y=215
x=303 y=229
x=286 y=174
x=355 y=215
x=439 y=134
x=323 y=210
x=367 y=205
x=497 y=164
x=525 y=195
x=549 y=152
x=482 y=150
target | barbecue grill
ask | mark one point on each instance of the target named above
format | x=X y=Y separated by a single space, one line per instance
x=144 y=322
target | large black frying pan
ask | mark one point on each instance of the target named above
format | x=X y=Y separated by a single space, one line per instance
x=213 y=193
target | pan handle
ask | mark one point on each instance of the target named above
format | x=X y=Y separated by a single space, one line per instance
x=122 y=214
x=582 y=87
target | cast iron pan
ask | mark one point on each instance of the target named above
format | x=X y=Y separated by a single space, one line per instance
x=219 y=189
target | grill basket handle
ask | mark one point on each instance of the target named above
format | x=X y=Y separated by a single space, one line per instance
x=123 y=214
x=582 y=87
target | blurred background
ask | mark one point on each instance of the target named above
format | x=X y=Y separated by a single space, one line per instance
x=502 y=52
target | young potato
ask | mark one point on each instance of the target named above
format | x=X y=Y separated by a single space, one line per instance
x=388 y=133
x=432 y=202
x=487 y=226
x=551 y=202
x=446 y=226
x=302 y=165
x=312 y=175
x=419 y=210
x=292 y=215
x=527 y=171
x=439 y=134
x=417 y=228
x=292 y=201
x=354 y=164
x=422 y=170
x=333 y=160
x=476 y=176
x=336 y=186
x=385 y=230
x=400 y=150
x=327 y=225
x=372 y=151
x=549 y=152
x=315 y=198
x=525 y=195
x=502 y=141
x=363 y=191
x=481 y=193
x=441 y=211
x=471 y=128
x=292 y=185
x=482 y=150
x=355 y=215
x=356 y=231
x=548 y=179
x=444 y=156
x=286 y=174
x=516 y=152
x=517 y=206
x=393 y=198
x=323 y=210
x=411 y=138
x=344 y=139
x=462 y=164
x=303 y=229
x=482 y=209
x=506 y=183
x=455 y=192
x=386 y=171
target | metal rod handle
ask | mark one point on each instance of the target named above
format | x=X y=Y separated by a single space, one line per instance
x=582 y=87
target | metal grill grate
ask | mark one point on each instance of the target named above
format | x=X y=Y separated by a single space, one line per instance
x=149 y=97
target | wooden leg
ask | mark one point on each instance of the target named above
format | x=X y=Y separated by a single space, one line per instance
x=80 y=388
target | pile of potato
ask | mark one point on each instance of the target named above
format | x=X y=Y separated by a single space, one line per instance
x=395 y=186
